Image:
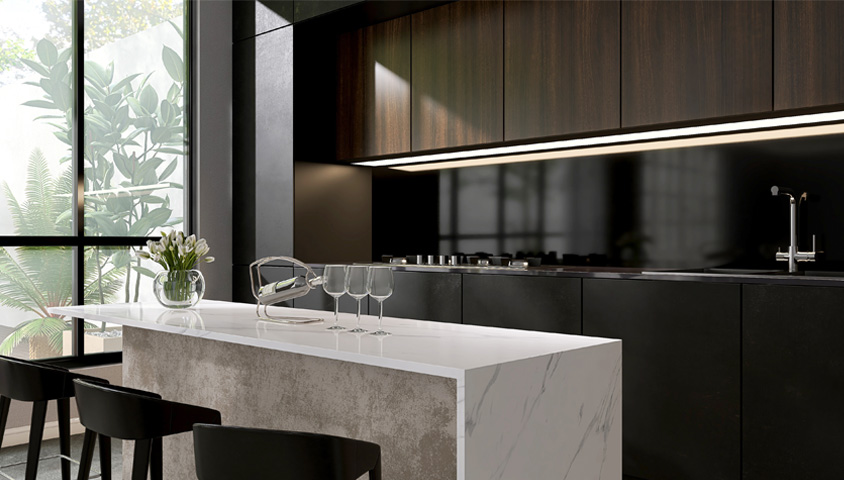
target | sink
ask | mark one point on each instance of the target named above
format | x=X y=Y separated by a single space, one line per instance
x=822 y=273
x=740 y=272
x=719 y=271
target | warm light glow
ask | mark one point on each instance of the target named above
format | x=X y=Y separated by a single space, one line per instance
x=736 y=132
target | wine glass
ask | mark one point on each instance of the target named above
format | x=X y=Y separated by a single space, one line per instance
x=380 y=288
x=356 y=286
x=334 y=284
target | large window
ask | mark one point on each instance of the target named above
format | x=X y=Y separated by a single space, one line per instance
x=93 y=136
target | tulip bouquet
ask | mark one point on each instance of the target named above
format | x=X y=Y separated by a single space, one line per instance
x=176 y=252
x=179 y=286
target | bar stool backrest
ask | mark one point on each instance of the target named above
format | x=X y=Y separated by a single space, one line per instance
x=130 y=414
x=33 y=382
x=224 y=452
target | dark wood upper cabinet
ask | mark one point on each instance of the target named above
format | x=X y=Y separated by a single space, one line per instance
x=561 y=68
x=457 y=77
x=690 y=60
x=808 y=53
x=373 y=90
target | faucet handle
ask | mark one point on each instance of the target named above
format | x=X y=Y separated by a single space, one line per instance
x=776 y=190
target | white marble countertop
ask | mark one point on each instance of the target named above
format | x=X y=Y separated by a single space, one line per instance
x=434 y=348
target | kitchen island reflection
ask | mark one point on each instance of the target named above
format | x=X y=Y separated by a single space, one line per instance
x=444 y=401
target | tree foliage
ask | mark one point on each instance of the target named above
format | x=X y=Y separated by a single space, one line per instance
x=134 y=140
x=34 y=279
x=107 y=20
x=12 y=51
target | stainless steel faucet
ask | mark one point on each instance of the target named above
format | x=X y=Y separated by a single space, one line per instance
x=794 y=254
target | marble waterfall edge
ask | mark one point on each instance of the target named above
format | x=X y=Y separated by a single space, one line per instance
x=551 y=417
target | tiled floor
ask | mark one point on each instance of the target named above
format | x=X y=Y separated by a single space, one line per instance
x=13 y=460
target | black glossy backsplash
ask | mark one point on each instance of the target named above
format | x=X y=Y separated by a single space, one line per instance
x=685 y=208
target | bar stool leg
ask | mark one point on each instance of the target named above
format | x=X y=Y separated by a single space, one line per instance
x=375 y=473
x=4 y=414
x=36 y=433
x=105 y=456
x=87 y=455
x=141 y=461
x=63 y=408
x=157 y=460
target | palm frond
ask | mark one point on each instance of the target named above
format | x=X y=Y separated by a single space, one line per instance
x=40 y=189
x=15 y=275
x=62 y=202
x=50 y=269
x=12 y=296
x=112 y=282
x=14 y=207
x=47 y=327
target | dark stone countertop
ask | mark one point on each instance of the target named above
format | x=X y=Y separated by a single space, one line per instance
x=804 y=278
x=810 y=278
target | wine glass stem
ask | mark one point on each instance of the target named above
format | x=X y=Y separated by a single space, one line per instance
x=336 y=311
x=380 y=313
x=358 y=324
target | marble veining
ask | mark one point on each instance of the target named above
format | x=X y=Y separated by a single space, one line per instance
x=551 y=417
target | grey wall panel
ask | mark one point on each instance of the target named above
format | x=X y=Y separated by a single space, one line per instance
x=263 y=146
x=274 y=143
x=212 y=146
x=254 y=17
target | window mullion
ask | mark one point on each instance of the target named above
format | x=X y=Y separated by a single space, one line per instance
x=78 y=41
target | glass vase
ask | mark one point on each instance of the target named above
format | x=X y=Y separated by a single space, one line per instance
x=179 y=288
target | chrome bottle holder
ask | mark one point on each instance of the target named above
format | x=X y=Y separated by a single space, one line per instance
x=312 y=281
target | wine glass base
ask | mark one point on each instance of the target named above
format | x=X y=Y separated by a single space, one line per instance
x=358 y=330
x=380 y=333
x=336 y=327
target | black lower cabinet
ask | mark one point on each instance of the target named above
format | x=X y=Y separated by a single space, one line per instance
x=317 y=299
x=793 y=382
x=423 y=296
x=528 y=303
x=681 y=374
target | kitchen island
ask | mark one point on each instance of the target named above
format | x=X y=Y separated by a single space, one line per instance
x=444 y=401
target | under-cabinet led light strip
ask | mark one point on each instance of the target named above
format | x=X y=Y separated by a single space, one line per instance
x=717 y=134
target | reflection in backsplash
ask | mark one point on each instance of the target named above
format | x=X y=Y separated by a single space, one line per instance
x=686 y=208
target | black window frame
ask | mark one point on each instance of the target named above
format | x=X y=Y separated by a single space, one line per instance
x=78 y=240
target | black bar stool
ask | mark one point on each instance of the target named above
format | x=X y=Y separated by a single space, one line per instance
x=109 y=412
x=224 y=453
x=39 y=383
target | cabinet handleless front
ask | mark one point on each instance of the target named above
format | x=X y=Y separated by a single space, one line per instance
x=808 y=54
x=561 y=68
x=457 y=75
x=693 y=60
x=793 y=382
x=681 y=347
x=528 y=303
x=423 y=296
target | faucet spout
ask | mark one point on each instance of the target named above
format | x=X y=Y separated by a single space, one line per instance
x=794 y=254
